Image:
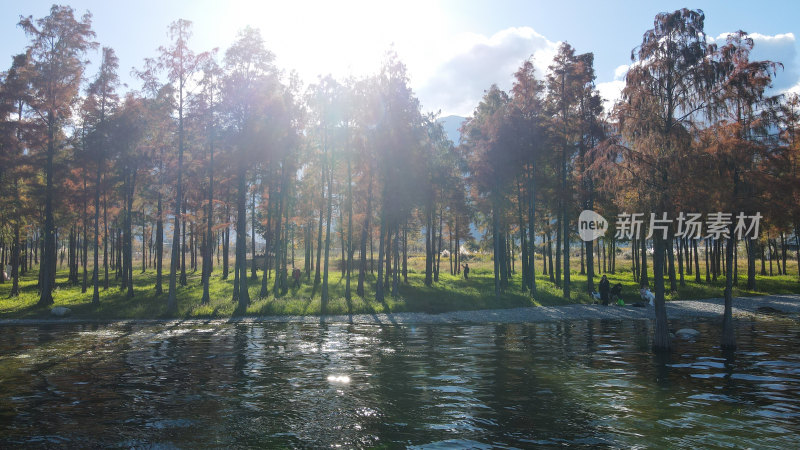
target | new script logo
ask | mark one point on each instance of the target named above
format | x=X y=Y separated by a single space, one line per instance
x=591 y=225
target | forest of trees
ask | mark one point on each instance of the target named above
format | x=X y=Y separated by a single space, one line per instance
x=223 y=146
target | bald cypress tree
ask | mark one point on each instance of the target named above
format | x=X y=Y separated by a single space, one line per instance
x=59 y=42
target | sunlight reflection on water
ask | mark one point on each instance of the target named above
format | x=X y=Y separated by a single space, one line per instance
x=592 y=383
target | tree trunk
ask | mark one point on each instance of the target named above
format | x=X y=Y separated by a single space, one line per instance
x=396 y=248
x=405 y=254
x=661 y=341
x=523 y=241
x=365 y=232
x=728 y=336
x=388 y=254
x=531 y=231
x=559 y=227
x=241 y=240
x=183 y=280
x=253 y=274
x=439 y=244
x=325 y=296
x=15 y=260
x=318 y=274
x=635 y=259
x=428 y=247
x=566 y=287
x=783 y=251
x=496 y=243
x=144 y=243
x=643 y=281
x=379 y=282
x=208 y=249
x=49 y=254
x=550 y=257
x=267 y=245
x=797 y=242
x=172 y=304
x=673 y=284
x=85 y=241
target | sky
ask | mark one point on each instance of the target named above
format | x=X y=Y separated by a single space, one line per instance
x=454 y=49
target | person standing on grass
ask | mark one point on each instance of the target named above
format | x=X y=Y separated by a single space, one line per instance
x=466 y=271
x=604 y=288
x=296 y=277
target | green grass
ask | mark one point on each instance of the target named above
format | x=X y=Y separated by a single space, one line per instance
x=451 y=293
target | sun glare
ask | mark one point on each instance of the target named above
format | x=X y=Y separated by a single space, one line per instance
x=337 y=38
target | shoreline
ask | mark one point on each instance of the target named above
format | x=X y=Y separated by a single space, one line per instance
x=712 y=307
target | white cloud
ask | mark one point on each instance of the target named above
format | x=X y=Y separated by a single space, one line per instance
x=475 y=62
x=621 y=71
x=610 y=91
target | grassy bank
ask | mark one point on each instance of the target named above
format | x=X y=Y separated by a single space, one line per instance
x=449 y=294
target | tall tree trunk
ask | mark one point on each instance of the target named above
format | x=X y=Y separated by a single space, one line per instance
x=144 y=243
x=559 y=228
x=279 y=244
x=129 y=233
x=635 y=259
x=428 y=246
x=325 y=296
x=523 y=244
x=15 y=262
x=388 y=260
x=365 y=232
x=405 y=253
x=797 y=242
x=172 y=304
x=439 y=242
x=379 y=296
x=566 y=287
x=501 y=253
x=783 y=251
x=661 y=341
x=226 y=245
x=318 y=274
x=253 y=231
x=550 y=256
x=49 y=255
x=267 y=245
x=673 y=285
x=105 y=240
x=728 y=336
x=85 y=241
x=643 y=281
x=751 y=263
x=183 y=280
x=396 y=248
x=496 y=242
x=241 y=239
x=531 y=231
x=207 y=249
x=696 y=261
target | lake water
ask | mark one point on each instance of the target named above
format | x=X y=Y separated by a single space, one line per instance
x=591 y=383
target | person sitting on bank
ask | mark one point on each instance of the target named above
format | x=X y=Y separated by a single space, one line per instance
x=604 y=288
x=466 y=271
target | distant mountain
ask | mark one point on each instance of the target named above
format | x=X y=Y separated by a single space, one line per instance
x=451 y=125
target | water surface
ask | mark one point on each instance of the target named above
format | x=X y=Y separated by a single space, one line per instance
x=592 y=383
